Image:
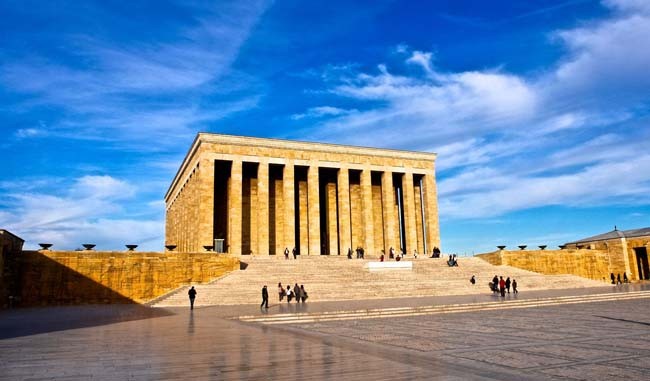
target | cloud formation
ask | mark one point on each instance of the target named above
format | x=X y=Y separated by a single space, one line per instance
x=509 y=142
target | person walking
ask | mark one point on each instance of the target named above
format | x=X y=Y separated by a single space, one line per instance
x=508 y=285
x=289 y=294
x=281 y=291
x=472 y=280
x=611 y=276
x=296 y=292
x=391 y=253
x=495 y=284
x=349 y=253
x=286 y=253
x=514 y=286
x=295 y=253
x=625 y=280
x=502 y=287
x=618 y=278
x=303 y=293
x=192 y=295
x=265 y=297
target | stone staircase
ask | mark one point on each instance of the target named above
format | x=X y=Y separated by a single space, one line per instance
x=338 y=278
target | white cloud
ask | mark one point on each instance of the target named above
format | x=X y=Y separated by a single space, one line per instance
x=317 y=112
x=140 y=90
x=570 y=135
x=81 y=215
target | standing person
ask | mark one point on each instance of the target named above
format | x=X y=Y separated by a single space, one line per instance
x=296 y=292
x=495 y=284
x=265 y=297
x=295 y=252
x=508 y=285
x=192 y=295
x=281 y=291
x=611 y=276
x=625 y=278
x=303 y=293
x=349 y=253
x=415 y=254
x=363 y=253
x=286 y=253
x=472 y=280
x=502 y=287
x=289 y=294
x=618 y=278
x=514 y=286
x=391 y=253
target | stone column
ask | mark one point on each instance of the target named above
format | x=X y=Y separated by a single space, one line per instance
x=345 y=233
x=263 y=207
x=332 y=231
x=366 y=206
x=206 y=204
x=409 y=213
x=235 y=207
x=431 y=211
x=313 y=209
x=288 y=193
x=388 y=211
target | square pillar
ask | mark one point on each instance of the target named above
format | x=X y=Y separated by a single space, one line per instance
x=235 y=208
x=263 y=207
x=205 y=204
x=345 y=232
x=388 y=211
x=366 y=212
x=332 y=231
x=313 y=210
x=409 y=214
x=288 y=192
x=431 y=211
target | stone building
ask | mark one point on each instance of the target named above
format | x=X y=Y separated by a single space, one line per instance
x=627 y=250
x=261 y=196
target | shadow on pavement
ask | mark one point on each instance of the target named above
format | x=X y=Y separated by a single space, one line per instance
x=34 y=321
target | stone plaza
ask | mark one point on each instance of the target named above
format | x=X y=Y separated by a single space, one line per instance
x=582 y=340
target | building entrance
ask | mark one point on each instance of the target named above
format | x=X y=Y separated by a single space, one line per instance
x=642 y=263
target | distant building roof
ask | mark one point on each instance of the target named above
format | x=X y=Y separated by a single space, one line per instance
x=7 y=232
x=615 y=234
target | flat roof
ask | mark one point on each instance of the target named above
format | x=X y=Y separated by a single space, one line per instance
x=615 y=234
x=252 y=141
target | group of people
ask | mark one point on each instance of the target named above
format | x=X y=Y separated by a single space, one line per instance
x=452 y=261
x=298 y=293
x=499 y=285
x=359 y=250
x=294 y=252
x=617 y=280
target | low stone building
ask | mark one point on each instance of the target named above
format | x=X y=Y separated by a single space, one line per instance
x=627 y=249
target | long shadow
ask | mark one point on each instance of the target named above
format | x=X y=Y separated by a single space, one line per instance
x=44 y=282
x=34 y=321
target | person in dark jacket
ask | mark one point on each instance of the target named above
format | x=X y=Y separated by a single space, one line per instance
x=508 y=285
x=265 y=297
x=295 y=253
x=296 y=292
x=495 y=284
x=303 y=293
x=192 y=295
x=514 y=286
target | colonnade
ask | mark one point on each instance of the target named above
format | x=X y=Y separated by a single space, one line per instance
x=316 y=208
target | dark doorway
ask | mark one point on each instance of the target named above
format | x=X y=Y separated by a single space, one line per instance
x=642 y=262
x=221 y=178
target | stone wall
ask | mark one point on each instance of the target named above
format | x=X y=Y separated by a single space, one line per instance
x=88 y=277
x=592 y=264
x=10 y=248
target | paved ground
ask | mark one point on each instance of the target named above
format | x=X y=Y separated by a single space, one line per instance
x=587 y=341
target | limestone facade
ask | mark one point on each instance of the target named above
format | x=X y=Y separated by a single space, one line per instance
x=264 y=195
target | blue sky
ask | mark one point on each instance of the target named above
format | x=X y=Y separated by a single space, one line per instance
x=539 y=111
